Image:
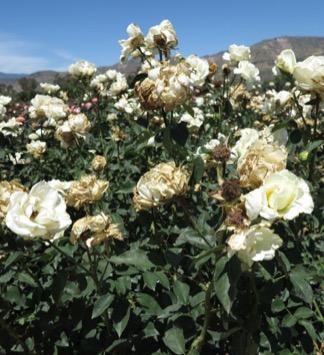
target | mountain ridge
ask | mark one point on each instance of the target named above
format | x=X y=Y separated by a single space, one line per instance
x=263 y=56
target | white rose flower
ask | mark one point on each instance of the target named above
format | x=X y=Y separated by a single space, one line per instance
x=195 y=121
x=39 y=213
x=5 y=100
x=309 y=74
x=237 y=53
x=286 y=61
x=44 y=106
x=60 y=186
x=3 y=111
x=49 y=88
x=82 y=68
x=10 y=128
x=283 y=97
x=254 y=244
x=282 y=195
x=119 y=85
x=248 y=71
x=199 y=70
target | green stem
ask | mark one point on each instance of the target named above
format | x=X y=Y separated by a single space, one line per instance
x=69 y=257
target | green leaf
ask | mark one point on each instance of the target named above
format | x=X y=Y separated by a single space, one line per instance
x=302 y=288
x=122 y=324
x=277 y=305
x=26 y=278
x=134 y=257
x=313 y=145
x=151 y=279
x=309 y=328
x=175 y=341
x=101 y=305
x=150 y=331
x=222 y=287
x=181 y=290
x=289 y=320
x=59 y=283
x=198 y=169
x=149 y=303
x=303 y=312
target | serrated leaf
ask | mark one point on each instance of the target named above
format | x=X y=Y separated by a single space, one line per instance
x=302 y=288
x=198 y=169
x=101 y=305
x=181 y=290
x=175 y=341
x=122 y=324
x=26 y=278
x=149 y=303
x=222 y=287
x=135 y=257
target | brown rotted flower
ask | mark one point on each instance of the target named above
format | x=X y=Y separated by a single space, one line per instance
x=231 y=190
x=221 y=153
x=86 y=190
x=147 y=95
x=95 y=230
x=117 y=134
x=236 y=217
x=212 y=68
x=160 y=185
x=98 y=163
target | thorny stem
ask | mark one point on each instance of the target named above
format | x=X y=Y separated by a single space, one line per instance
x=11 y=332
x=313 y=157
x=198 y=343
x=145 y=57
x=192 y=221
x=94 y=275
x=69 y=257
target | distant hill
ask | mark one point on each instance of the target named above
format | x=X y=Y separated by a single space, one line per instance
x=263 y=56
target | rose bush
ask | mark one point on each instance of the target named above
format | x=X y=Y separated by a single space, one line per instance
x=179 y=211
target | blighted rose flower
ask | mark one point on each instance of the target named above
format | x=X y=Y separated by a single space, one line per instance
x=98 y=163
x=36 y=148
x=95 y=230
x=41 y=213
x=77 y=126
x=162 y=36
x=166 y=87
x=261 y=160
x=87 y=190
x=282 y=195
x=134 y=41
x=7 y=188
x=159 y=185
x=254 y=244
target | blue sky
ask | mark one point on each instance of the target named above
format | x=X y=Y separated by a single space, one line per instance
x=50 y=34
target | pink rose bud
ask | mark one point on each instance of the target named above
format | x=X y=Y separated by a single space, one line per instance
x=20 y=119
x=94 y=100
x=88 y=105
